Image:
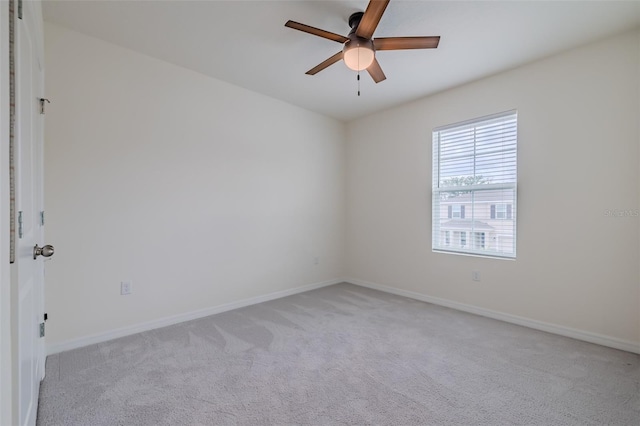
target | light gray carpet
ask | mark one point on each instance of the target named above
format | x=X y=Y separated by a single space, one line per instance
x=342 y=355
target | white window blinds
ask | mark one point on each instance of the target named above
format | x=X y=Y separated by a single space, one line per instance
x=474 y=186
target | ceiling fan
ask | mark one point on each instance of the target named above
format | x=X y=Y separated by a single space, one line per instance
x=359 y=46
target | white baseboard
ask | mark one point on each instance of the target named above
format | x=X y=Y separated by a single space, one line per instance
x=612 y=342
x=586 y=336
x=175 y=319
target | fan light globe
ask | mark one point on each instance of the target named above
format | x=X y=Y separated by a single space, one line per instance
x=358 y=55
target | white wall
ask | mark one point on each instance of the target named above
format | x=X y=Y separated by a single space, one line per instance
x=203 y=193
x=578 y=156
x=200 y=192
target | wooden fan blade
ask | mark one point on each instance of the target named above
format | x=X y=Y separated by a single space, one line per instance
x=375 y=71
x=316 y=31
x=399 y=43
x=371 y=18
x=332 y=60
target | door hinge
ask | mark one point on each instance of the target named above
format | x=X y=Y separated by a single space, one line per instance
x=19 y=224
x=42 y=218
x=41 y=329
x=19 y=9
x=42 y=101
x=46 y=316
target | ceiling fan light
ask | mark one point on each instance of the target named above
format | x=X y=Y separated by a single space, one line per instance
x=358 y=55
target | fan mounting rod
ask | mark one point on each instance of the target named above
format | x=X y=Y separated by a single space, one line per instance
x=354 y=21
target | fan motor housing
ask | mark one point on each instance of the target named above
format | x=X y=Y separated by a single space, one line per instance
x=354 y=40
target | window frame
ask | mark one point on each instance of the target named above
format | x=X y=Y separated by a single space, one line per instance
x=510 y=207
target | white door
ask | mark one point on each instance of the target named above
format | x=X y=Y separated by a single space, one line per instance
x=29 y=202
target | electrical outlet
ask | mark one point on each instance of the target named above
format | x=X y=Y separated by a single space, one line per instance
x=475 y=276
x=125 y=287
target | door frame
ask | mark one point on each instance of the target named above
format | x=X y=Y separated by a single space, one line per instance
x=6 y=376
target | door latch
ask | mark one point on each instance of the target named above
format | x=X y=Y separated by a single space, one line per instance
x=42 y=101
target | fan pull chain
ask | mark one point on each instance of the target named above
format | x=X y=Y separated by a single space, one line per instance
x=358 y=71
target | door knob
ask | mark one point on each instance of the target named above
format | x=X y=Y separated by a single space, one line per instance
x=46 y=251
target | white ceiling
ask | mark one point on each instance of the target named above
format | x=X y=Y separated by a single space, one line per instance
x=247 y=44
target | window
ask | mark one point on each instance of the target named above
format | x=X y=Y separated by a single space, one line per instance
x=456 y=211
x=475 y=186
x=501 y=211
x=478 y=240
